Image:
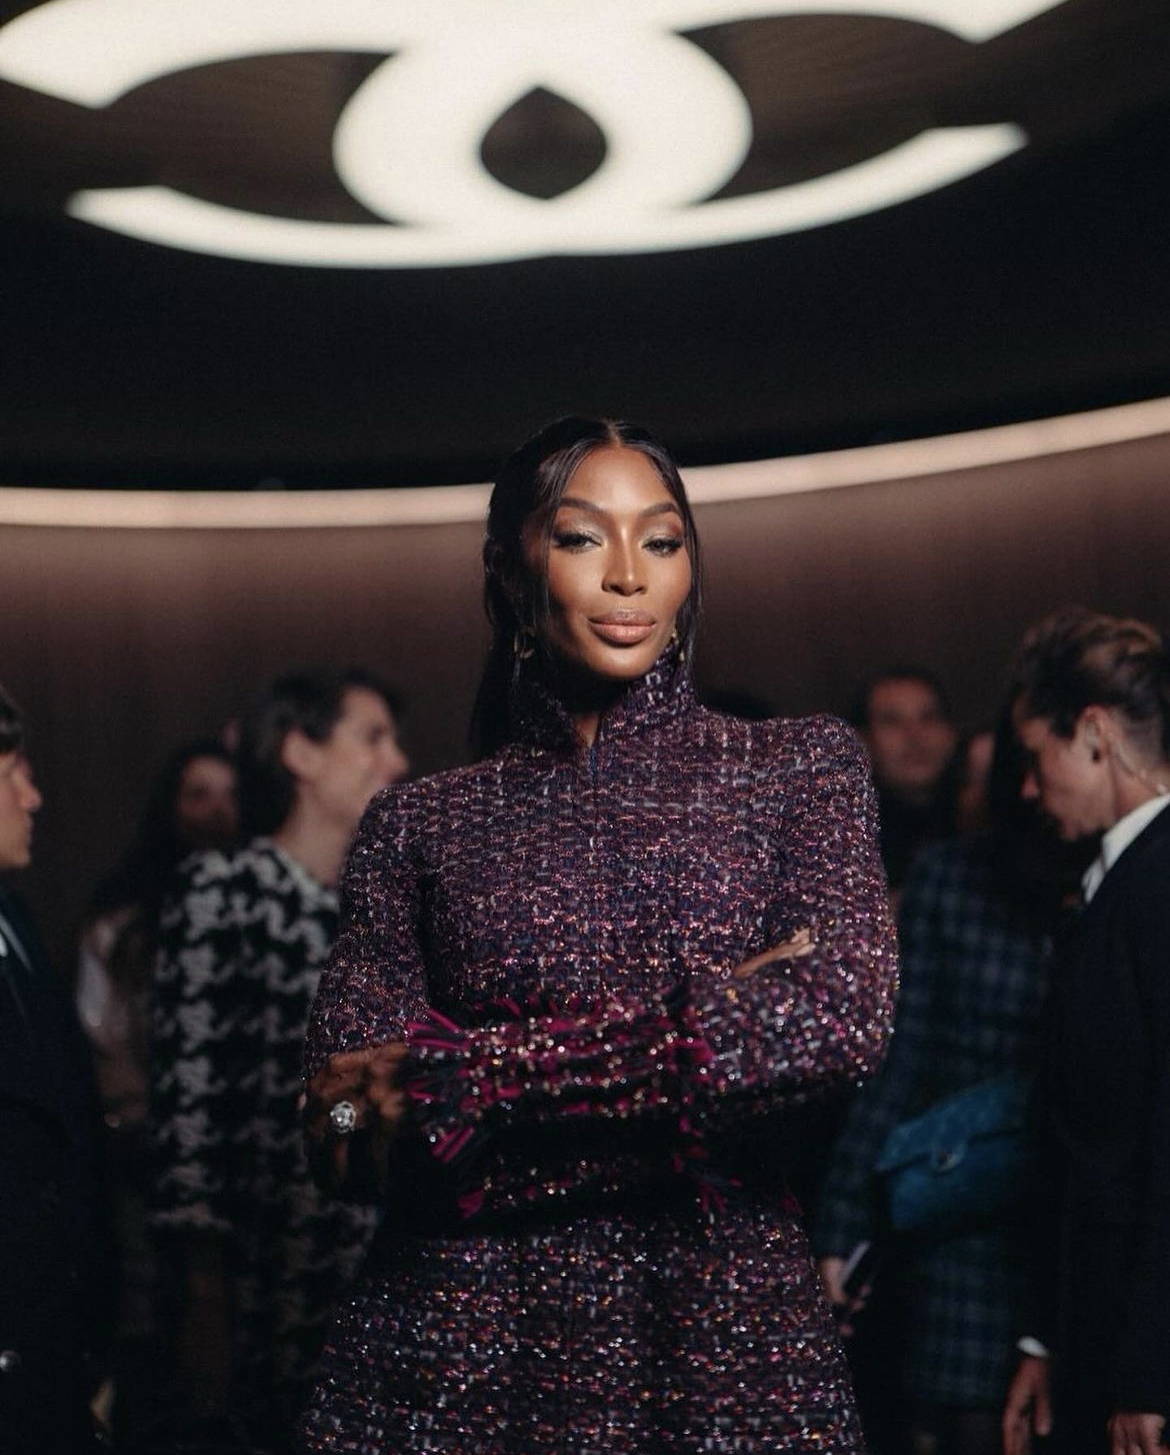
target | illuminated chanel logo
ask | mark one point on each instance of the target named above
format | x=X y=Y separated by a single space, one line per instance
x=407 y=145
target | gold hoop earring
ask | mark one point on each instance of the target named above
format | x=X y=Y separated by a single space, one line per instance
x=676 y=642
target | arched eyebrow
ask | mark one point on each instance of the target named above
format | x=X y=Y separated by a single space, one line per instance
x=664 y=507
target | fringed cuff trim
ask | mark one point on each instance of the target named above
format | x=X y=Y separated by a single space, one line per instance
x=540 y=1063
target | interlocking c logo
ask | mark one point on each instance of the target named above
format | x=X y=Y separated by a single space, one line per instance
x=407 y=144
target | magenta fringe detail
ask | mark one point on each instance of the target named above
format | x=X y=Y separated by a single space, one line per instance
x=547 y=1062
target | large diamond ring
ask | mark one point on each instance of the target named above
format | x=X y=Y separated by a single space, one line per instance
x=343 y=1116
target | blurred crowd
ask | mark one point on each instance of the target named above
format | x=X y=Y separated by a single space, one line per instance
x=170 y=1263
x=200 y=1262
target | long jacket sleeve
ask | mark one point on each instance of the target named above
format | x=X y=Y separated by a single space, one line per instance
x=553 y=933
x=851 y=1207
x=1106 y=1097
x=240 y=944
x=197 y=1019
x=1138 y=1377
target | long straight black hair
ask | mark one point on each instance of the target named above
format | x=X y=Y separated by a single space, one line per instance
x=531 y=483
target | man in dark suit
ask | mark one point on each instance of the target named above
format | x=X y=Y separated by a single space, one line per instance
x=53 y=1259
x=1093 y=711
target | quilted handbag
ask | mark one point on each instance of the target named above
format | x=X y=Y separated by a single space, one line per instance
x=959 y=1162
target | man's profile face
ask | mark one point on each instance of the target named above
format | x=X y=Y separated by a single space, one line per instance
x=910 y=738
x=19 y=801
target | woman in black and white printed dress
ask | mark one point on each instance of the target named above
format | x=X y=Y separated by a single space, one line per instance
x=259 y=1251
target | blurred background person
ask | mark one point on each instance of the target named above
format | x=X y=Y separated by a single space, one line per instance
x=1092 y=709
x=191 y=806
x=259 y=1252
x=977 y=756
x=976 y=926
x=904 y=716
x=53 y=1250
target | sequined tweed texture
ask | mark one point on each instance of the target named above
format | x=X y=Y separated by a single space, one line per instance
x=587 y=1246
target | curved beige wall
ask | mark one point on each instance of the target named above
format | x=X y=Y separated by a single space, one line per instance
x=120 y=642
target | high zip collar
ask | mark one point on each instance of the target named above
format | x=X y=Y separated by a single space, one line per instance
x=541 y=719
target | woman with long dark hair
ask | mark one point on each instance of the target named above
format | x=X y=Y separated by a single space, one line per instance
x=192 y=806
x=576 y=987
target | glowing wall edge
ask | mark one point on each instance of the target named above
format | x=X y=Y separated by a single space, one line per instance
x=461 y=504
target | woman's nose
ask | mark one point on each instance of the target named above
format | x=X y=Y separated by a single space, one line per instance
x=624 y=574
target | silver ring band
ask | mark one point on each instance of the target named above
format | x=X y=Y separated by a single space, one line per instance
x=343 y=1117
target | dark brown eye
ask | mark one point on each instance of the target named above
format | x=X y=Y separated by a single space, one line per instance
x=571 y=540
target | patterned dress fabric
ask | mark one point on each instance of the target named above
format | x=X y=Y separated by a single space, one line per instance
x=588 y=1246
x=974 y=970
x=242 y=946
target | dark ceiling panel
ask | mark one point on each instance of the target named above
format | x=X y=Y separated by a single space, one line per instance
x=1035 y=286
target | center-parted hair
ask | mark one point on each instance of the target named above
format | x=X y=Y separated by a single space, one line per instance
x=1077 y=658
x=142 y=876
x=530 y=485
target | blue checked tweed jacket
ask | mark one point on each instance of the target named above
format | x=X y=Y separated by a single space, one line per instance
x=973 y=977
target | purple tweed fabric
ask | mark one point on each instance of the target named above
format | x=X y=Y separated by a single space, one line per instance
x=587 y=1245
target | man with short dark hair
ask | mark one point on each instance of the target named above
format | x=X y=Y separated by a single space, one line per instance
x=1091 y=709
x=905 y=718
x=52 y=1260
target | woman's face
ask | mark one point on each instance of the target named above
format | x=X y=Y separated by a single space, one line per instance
x=206 y=810
x=1070 y=784
x=617 y=567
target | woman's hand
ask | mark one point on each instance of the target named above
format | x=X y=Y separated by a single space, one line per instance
x=845 y=1306
x=1137 y=1434
x=369 y=1080
x=796 y=948
x=1028 y=1410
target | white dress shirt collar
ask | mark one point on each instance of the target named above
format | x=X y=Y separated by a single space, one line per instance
x=1117 y=839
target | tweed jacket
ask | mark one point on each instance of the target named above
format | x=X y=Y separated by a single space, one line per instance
x=974 y=968
x=588 y=1247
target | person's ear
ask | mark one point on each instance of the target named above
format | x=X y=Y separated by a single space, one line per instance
x=1095 y=730
x=299 y=754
